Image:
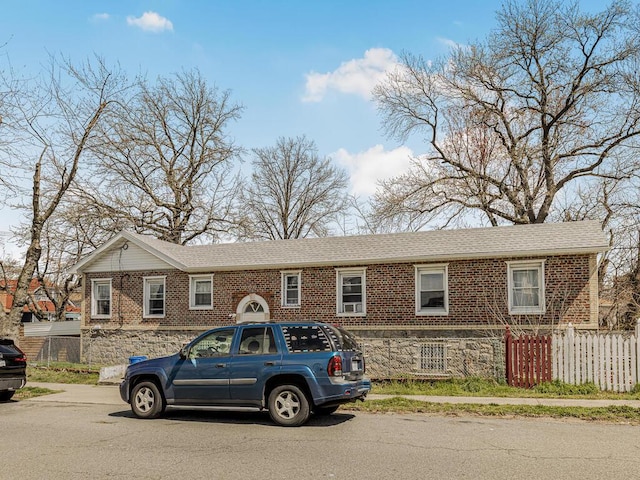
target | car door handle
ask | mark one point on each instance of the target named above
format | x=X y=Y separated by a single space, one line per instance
x=269 y=364
x=220 y=365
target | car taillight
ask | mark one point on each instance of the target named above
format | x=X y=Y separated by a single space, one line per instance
x=23 y=358
x=334 y=369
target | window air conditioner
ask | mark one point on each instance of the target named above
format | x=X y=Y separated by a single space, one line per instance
x=352 y=307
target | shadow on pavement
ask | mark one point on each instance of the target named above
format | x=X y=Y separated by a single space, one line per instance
x=241 y=418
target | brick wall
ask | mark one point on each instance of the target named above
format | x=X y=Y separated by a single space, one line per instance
x=477 y=296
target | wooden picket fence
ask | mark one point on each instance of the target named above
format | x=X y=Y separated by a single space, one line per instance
x=528 y=359
x=608 y=360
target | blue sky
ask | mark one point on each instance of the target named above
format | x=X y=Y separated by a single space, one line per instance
x=298 y=67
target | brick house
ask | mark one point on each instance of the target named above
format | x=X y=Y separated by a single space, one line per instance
x=39 y=307
x=147 y=296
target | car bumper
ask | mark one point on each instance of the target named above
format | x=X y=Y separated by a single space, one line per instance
x=124 y=391
x=12 y=383
x=344 y=392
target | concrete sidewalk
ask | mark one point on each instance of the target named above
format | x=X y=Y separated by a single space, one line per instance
x=109 y=395
x=72 y=393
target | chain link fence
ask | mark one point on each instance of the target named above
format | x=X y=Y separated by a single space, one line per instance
x=56 y=349
x=433 y=358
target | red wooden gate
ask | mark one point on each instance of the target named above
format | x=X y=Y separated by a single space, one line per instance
x=528 y=359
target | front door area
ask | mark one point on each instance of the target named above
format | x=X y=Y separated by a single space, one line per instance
x=252 y=308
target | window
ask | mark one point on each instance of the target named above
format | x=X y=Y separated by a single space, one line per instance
x=257 y=340
x=433 y=358
x=101 y=298
x=306 y=339
x=290 y=289
x=154 y=295
x=351 y=292
x=432 y=297
x=526 y=287
x=201 y=292
x=215 y=344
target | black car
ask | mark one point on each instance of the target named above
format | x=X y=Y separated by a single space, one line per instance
x=13 y=369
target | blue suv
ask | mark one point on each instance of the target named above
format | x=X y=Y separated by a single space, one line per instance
x=291 y=369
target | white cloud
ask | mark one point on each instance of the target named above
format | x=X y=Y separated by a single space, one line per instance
x=367 y=168
x=357 y=76
x=448 y=42
x=452 y=44
x=100 y=17
x=150 y=22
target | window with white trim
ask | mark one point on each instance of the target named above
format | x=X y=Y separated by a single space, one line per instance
x=526 y=287
x=200 y=292
x=154 y=297
x=291 y=289
x=432 y=296
x=101 y=298
x=351 y=291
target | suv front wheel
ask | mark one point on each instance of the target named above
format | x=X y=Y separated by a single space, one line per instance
x=146 y=400
x=288 y=406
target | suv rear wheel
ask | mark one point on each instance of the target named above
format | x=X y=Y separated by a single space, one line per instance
x=288 y=406
x=146 y=400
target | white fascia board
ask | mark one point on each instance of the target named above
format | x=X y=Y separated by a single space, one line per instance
x=123 y=237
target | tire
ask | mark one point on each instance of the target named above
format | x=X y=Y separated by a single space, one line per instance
x=325 y=410
x=6 y=395
x=146 y=400
x=288 y=406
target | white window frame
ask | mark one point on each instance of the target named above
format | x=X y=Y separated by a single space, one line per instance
x=435 y=268
x=94 y=306
x=348 y=272
x=526 y=265
x=146 y=282
x=193 y=280
x=284 y=275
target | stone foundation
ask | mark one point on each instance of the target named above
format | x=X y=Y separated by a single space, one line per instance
x=419 y=355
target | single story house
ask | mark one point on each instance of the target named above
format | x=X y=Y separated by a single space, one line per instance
x=147 y=296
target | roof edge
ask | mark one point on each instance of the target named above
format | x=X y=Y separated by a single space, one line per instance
x=128 y=237
x=408 y=259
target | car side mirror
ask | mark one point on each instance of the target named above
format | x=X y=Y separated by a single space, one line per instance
x=184 y=352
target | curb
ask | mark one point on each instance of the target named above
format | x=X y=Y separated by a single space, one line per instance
x=550 y=402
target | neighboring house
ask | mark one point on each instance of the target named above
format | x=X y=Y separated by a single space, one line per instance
x=143 y=295
x=40 y=307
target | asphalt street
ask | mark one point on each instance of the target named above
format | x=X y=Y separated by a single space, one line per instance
x=97 y=437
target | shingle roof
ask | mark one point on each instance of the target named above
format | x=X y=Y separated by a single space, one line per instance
x=425 y=246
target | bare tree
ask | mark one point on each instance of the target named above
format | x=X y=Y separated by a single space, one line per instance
x=292 y=193
x=52 y=121
x=164 y=165
x=549 y=101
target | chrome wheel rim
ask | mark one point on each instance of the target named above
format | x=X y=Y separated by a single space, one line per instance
x=287 y=405
x=145 y=399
